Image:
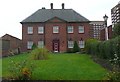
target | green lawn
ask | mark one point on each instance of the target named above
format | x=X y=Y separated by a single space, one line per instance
x=61 y=67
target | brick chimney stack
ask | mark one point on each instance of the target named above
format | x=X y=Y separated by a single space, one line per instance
x=62 y=5
x=51 y=5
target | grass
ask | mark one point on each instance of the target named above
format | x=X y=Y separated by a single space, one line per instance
x=61 y=67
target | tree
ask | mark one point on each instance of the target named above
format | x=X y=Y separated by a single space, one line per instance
x=116 y=30
x=76 y=47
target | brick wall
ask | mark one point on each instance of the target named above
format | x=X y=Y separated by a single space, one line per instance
x=49 y=36
x=10 y=43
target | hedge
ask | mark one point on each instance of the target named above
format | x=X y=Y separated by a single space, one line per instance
x=103 y=49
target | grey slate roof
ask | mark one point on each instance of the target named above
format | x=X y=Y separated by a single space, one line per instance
x=43 y=15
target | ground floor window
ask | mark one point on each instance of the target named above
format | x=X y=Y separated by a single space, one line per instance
x=81 y=44
x=70 y=44
x=29 y=44
x=40 y=44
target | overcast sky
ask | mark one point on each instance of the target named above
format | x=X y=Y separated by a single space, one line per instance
x=12 y=12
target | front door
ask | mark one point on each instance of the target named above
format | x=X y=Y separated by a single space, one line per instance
x=56 y=46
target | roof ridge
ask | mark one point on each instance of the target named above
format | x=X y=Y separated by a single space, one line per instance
x=10 y=36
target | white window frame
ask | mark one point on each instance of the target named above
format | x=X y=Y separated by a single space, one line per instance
x=29 y=44
x=82 y=44
x=81 y=29
x=40 y=30
x=30 y=30
x=70 y=44
x=55 y=29
x=70 y=29
x=40 y=44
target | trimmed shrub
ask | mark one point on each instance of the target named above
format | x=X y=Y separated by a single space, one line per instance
x=104 y=49
x=76 y=47
x=39 y=54
x=91 y=46
x=34 y=46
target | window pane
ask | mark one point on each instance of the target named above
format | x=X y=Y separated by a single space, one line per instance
x=81 y=29
x=29 y=44
x=70 y=29
x=55 y=29
x=41 y=30
x=40 y=44
x=81 y=44
x=70 y=44
x=30 y=30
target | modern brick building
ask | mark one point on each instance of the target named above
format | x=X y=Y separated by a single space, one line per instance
x=96 y=27
x=9 y=45
x=115 y=14
x=55 y=29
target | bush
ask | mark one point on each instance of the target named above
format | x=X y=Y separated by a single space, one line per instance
x=20 y=70
x=76 y=47
x=116 y=30
x=39 y=54
x=91 y=46
x=34 y=46
x=115 y=73
x=117 y=46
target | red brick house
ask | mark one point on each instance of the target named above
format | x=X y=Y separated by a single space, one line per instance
x=55 y=29
x=10 y=44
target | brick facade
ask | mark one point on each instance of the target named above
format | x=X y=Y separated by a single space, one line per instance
x=48 y=37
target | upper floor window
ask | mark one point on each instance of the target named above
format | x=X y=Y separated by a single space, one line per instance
x=41 y=30
x=70 y=29
x=40 y=44
x=29 y=44
x=55 y=29
x=81 y=44
x=30 y=30
x=70 y=44
x=81 y=29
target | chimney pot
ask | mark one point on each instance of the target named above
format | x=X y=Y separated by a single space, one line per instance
x=51 y=5
x=43 y=7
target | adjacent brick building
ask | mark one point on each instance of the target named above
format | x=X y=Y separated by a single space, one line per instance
x=102 y=33
x=55 y=29
x=10 y=44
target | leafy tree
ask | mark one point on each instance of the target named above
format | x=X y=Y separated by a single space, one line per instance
x=76 y=47
x=116 y=30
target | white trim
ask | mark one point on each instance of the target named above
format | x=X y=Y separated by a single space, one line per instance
x=29 y=44
x=81 y=29
x=40 y=44
x=40 y=30
x=55 y=29
x=81 y=44
x=70 y=29
x=70 y=44
x=30 y=30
